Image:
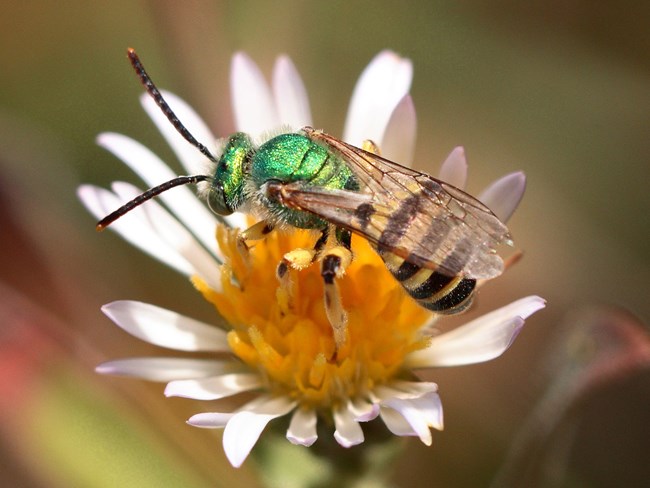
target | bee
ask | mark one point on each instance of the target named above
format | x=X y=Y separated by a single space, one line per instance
x=435 y=239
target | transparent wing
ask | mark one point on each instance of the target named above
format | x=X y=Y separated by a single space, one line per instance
x=417 y=217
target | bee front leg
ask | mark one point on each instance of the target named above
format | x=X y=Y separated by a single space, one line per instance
x=255 y=232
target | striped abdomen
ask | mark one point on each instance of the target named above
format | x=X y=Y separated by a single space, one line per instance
x=433 y=290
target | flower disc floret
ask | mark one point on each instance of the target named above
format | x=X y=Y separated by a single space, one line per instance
x=283 y=332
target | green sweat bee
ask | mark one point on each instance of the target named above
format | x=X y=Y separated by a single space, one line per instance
x=436 y=240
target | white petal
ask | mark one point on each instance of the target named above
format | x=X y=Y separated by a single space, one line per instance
x=251 y=97
x=215 y=387
x=291 y=98
x=348 y=432
x=381 y=86
x=482 y=339
x=133 y=227
x=302 y=429
x=182 y=201
x=398 y=142
x=245 y=427
x=413 y=416
x=414 y=388
x=430 y=407
x=403 y=390
x=503 y=196
x=210 y=420
x=165 y=369
x=454 y=169
x=165 y=227
x=363 y=410
x=396 y=423
x=165 y=328
x=216 y=420
x=190 y=157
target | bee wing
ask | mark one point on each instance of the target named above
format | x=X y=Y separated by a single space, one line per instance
x=413 y=215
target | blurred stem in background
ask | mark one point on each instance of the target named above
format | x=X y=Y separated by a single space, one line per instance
x=591 y=426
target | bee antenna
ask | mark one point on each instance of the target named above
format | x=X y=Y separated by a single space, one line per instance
x=148 y=195
x=166 y=109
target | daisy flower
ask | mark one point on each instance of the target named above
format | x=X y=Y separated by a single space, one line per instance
x=278 y=346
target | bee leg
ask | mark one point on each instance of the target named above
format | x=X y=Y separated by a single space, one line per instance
x=255 y=232
x=297 y=259
x=300 y=258
x=284 y=293
x=331 y=269
x=334 y=262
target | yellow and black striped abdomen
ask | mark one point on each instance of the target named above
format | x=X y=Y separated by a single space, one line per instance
x=431 y=289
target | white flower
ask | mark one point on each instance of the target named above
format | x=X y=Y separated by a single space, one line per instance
x=281 y=352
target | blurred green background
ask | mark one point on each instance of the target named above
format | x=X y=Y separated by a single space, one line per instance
x=560 y=90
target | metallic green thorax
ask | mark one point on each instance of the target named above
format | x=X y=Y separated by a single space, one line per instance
x=287 y=158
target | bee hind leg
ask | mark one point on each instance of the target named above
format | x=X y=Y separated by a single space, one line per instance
x=333 y=252
x=334 y=262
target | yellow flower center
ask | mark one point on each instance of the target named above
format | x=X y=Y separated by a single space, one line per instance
x=285 y=334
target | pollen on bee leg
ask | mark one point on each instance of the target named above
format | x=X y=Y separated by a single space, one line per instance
x=299 y=258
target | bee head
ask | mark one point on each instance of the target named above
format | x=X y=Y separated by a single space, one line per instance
x=226 y=190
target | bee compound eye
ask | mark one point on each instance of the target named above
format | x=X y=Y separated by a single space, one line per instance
x=217 y=200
